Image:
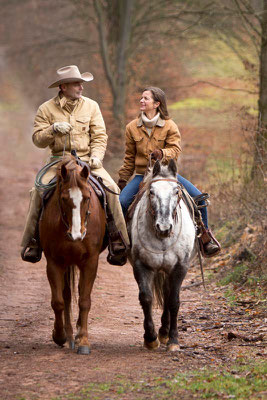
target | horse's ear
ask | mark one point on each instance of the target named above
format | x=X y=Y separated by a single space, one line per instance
x=156 y=168
x=172 y=167
x=85 y=172
x=63 y=172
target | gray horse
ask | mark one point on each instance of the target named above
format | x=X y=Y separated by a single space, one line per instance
x=163 y=239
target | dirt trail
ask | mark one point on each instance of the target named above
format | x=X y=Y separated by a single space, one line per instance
x=32 y=366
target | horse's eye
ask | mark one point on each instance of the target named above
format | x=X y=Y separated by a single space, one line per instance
x=151 y=192
x=64 y=198
x=176 y=191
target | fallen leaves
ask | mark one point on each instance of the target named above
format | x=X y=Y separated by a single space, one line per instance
x=236 y=335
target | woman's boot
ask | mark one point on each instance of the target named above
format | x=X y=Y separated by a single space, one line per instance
x=208 y=243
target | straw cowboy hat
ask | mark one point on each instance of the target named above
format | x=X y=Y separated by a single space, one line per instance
x=71 y=73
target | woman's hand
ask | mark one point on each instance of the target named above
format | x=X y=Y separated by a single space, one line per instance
x=122 y=183
x=156 y=154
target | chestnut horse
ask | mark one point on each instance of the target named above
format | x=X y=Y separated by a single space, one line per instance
x=72 y=229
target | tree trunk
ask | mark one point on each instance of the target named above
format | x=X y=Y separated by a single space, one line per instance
x=126 y=8
x=116 y=67
x=259 y=165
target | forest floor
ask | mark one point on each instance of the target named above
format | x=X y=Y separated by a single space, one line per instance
x=221 y=346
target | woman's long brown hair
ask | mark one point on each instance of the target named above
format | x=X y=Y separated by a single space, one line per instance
x=159 y=95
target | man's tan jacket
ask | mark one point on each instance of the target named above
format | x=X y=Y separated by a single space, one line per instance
x=139 y=144
x=88 y=136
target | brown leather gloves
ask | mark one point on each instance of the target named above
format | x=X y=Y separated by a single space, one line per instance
x=122 y=184
x=157 y=154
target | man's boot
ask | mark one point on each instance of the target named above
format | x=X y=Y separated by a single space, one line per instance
x=117 y=252
x=209 y=245
x=34 y=254
x=117 y=248
x=31 y=248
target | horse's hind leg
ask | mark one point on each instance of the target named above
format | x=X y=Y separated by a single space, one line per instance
x=165 y=318
x=144 y=279
x=175 y=282
x=55 y=276
x=67 y=306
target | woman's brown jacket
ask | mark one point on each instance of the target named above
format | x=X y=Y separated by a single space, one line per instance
x=139 y=144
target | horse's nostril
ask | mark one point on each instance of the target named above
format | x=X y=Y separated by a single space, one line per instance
x=69 y=235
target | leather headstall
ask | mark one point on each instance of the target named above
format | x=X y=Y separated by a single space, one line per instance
x=63 y=214
x=179 y=196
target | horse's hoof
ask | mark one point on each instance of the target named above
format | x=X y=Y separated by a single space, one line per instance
x=152 y=345
x=163 y=339
x=173 y=347
x=83 y=350
x=60 y=341
x=71 y=344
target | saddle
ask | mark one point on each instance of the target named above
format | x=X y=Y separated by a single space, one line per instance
x=94 y=183
x=112 y=234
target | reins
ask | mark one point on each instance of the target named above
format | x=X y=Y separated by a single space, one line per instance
x=191 y=212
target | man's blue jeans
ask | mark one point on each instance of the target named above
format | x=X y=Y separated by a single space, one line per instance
x=128 y=193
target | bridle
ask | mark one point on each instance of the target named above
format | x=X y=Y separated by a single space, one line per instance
x=63 y=214
x=179 y=196
x=152 y=213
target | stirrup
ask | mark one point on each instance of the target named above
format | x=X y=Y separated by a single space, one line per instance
x=205 y=238
x=202 y=197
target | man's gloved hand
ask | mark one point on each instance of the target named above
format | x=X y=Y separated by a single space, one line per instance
x=156 y=154
x=94 y=162
x=122 y=183
x=62 y=127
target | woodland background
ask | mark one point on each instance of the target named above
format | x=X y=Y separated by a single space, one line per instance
x=210 y=58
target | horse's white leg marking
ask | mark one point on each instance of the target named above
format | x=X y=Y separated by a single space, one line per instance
x=76 y=196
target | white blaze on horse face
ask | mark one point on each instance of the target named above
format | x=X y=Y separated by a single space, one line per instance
x=76 y=196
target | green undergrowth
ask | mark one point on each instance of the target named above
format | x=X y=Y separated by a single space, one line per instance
x=196 y=103
x=242 y=380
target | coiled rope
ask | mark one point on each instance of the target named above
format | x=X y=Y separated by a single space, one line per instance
x=38 y=180
x=40 y=186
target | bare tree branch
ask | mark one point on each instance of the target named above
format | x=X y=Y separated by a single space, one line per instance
x=217 y=86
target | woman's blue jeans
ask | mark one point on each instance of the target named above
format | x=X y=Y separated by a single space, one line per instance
x=130 y=190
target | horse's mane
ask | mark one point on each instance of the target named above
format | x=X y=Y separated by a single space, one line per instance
x=72 y=167
x=164 y=173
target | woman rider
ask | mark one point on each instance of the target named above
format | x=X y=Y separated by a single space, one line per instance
x=156 y=134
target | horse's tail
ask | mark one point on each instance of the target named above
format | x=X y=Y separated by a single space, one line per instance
x=70 y=281
x=158 y=291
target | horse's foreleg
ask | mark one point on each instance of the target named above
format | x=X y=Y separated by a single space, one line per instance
x=68 y=278
x=55 y=277
x=144 y=279
x=87 y=278
x=175 y=282
x=165 y=318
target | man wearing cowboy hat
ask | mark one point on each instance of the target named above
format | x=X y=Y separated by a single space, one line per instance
x=68 y=122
